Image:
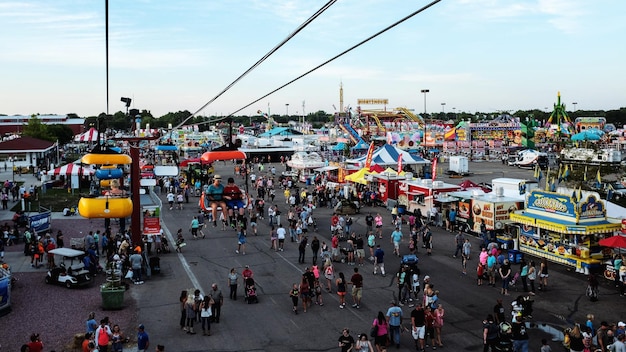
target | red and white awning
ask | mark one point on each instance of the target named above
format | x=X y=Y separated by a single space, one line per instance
x=90 y=136
x=71 y=170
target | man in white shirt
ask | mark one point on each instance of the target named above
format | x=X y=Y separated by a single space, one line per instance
x=281 y=233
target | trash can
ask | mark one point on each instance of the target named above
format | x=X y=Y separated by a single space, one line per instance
x=308 y=181
x=401 y=209
x=515 y=256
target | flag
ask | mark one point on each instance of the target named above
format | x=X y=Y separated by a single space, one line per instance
x=560 y=174
x=400 y=164
x=548 y=179
x=567 y=172
x=585 y=175
x=579 y=195
x=609 y=193
x=537 y=173
x=370 y=155
x=598 y=178
x=434 y=170
x=553 y=185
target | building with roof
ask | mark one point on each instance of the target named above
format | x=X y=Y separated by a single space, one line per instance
x=16 y=123
x=27 y=151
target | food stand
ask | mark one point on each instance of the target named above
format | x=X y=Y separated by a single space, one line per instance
x=564 y=229
x=423 y=194
x=492 y=209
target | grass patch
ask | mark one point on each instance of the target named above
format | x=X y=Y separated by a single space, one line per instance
x=53 y=199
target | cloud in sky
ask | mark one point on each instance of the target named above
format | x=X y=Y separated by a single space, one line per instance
x=176 y=55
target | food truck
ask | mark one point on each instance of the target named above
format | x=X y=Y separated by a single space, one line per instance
x=492 y=209
x=387 y=186
x=424 y=194
x=565 y=228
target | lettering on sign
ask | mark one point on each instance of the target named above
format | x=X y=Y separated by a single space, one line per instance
x=550 y=204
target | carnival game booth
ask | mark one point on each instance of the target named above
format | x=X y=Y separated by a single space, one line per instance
x=386 y=184
x=424 y=194
x=564 y=228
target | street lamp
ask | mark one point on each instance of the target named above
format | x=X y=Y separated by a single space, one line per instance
x=574 y=103
x=287 y=108
x=424 y=91
x=443 y=110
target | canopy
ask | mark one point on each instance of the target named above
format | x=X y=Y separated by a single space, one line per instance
x=388 y=155
x=376 y=168
x=339 y=147
x=587 y=135
x=70 y=170
x=358 y=177
x=469 y=184
x=90 y=136
x=616 y=241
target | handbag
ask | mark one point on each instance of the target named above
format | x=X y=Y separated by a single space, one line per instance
x=374 y=330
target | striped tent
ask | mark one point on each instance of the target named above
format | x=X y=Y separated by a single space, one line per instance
x=388 y=155
x=90 y=136
x=71 y=170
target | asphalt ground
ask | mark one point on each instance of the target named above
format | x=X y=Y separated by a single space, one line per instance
x=270 y=325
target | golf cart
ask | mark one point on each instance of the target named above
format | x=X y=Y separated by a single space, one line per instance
x=72 y=276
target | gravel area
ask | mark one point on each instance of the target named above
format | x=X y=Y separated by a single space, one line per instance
x=55 y=312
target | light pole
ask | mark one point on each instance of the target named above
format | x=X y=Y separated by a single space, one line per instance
x=424 y=91
x=443 y=108
x=287 y=108
x=574 y=103
x=454 y=112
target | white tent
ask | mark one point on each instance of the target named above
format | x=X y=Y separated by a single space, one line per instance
x=90 y=136
x=71 y=170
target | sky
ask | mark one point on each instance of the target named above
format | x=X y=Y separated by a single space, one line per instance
x=168 y=56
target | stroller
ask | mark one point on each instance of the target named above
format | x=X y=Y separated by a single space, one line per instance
x=505 y=342
x=523 y=305
x=165 y=246
x=250 y=291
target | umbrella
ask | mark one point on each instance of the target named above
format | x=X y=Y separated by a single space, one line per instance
x=616 y=241
x=586 y=136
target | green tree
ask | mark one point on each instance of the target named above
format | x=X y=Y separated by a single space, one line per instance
x=36 y=129
x=63 y=133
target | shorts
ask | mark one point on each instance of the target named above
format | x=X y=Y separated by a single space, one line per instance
x=357 y=292
x=379 y=226
x=418 y=332
x=543 y=275
x=232 y=204
x=334 y=252
x=281 y=240
x=252 y=224
x=341 y=293
x=491 y=272
x=396 y=245
x=360 y=253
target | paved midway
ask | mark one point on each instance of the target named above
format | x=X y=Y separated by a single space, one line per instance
x=271 y=325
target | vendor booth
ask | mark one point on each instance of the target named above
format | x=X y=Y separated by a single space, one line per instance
x=564 y=229
x=386 y=185
x=492 y=209
x=424 y=194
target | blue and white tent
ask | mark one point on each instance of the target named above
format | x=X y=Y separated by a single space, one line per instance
x=388 y=155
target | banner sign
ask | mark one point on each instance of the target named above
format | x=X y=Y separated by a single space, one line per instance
x=40 y=222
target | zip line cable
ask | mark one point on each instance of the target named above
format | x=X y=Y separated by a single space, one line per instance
x=283 y=42
x=324 y=63
x=335 y=57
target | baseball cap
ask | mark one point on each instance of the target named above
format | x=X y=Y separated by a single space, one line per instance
x=141 y=327
x=426 y=277
x=621 y=323
x=217 y=177
x=138 y=249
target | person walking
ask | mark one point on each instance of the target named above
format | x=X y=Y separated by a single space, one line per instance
x=341 y=289
x=315 y=249
x=363 y=344
x=505 y=275
x=418 y=328
x=194 y=226
x=394 y=320
x=396 y=238
x=357 y=288
x=459 y=239
x=143 y=340
x=379 y=260
x=438 y=315
x=524 y=273
x=233 y=282
x=532 y=276
x=294 y=293
x=543 y=275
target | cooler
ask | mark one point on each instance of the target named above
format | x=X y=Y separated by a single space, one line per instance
x=515 y=256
